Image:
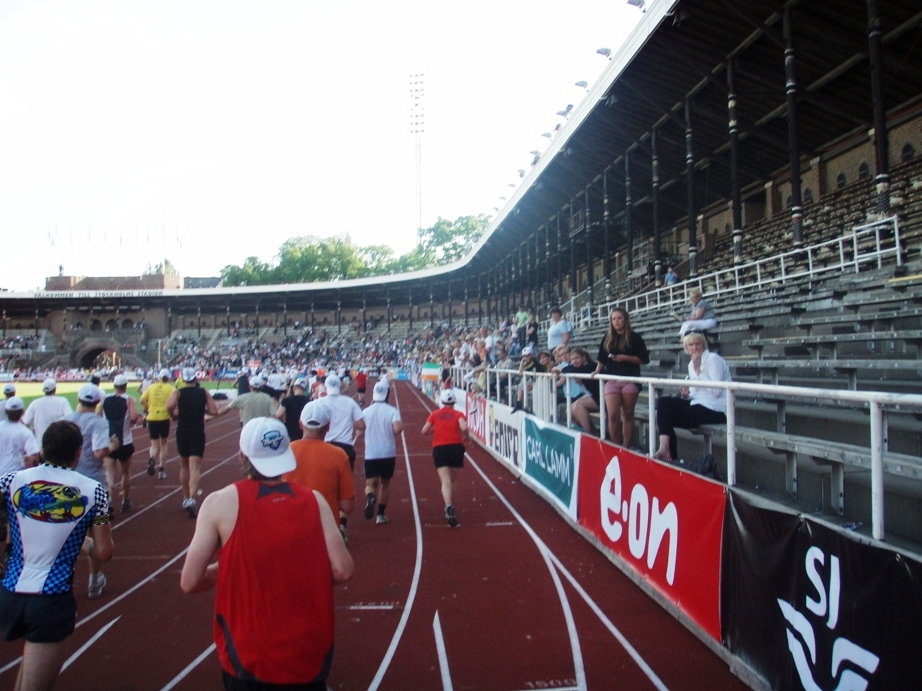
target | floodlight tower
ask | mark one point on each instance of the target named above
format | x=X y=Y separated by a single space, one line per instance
x=417 y=127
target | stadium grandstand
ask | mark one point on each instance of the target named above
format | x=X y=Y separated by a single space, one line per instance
x=772 y=153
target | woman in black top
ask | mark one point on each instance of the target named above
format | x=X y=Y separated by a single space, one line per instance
x=621 y=353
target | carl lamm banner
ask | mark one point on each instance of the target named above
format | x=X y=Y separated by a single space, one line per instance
x=808 y=607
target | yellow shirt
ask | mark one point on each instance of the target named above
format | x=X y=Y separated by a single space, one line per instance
x=154 y=401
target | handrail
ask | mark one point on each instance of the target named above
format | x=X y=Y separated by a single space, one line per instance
x=874 y=400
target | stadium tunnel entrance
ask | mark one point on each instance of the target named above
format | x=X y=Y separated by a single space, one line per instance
x=97 y=354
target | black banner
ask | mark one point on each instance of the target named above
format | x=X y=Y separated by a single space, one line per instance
x=808 y=607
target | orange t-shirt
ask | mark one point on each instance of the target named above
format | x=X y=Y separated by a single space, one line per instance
x=445 y=428
x=322 y=467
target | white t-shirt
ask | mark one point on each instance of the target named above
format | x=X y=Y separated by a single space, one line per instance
x=379 y=431
x=345 y=412
x=45 y=410
x=16 y=442
x=555 y=333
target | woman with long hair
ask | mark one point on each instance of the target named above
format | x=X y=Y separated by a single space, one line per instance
x=621 y=353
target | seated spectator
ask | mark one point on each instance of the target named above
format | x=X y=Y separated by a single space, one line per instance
x=528 y=364
x=671 y=277
x=697 y=406
x=703 y=316
x=584 y=405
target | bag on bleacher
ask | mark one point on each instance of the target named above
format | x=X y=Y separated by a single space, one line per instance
x=706 y=466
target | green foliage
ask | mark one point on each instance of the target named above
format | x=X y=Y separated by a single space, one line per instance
x=310 y=259
x=164 y=268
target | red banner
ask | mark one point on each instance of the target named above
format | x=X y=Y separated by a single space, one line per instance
x=664 y=522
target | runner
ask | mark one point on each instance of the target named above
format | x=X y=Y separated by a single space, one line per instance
x=361 y=383
x=18 y=447
x=382 y=426
x=47 y=409
x=346 y=422
x=449 y=436
x=290 y=409
x=153 y=401
x=121 y=411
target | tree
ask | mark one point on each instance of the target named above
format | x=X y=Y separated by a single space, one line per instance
x=448 y=241
x=164 y=268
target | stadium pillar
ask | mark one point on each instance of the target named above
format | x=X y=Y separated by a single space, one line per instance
x=574 y=277
x=285 y=319
x=690 y=174
x=479 y=300
x=449 y=306
x=256 y=322
x=228 y=321
x=313 y=321
x=590 y=272
x=735 y=200
x=628 y=220
x=388 y=310
x=364 y=310
x=198 y=321
x=657 y=239
x=790 y=73
x=466 y=303
x=410 y=314
x=880 y=112
x=606 y=232
x=559 y=263
x=339 y=315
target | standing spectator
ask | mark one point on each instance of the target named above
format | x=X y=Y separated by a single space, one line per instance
x=703 y=316
x=36 y=599
x=47 y=409
x=382 y=426
x=290 y=409
x=558 y=333
x=621 y=353
x=346 y=421
x=153 y=402
x=256 y=403
x=97 y=445
x=18 y=447
x=279 y=558
x=531 y=332
x=521 y=319
x=449 y=428
x=671 y=277
x=188 y=406
x=698 y=406
x=121 y=412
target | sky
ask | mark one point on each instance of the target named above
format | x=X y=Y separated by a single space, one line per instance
x=208 y=131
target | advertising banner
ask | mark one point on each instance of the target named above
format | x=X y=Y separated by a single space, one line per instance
x=504 y=434
x=809 y=607
x=477 y=417
x=665 y=523
x=550 y=460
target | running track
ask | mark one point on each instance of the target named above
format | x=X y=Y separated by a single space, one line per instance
x=512 y=599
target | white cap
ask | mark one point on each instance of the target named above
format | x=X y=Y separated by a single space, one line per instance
x=49 y=385
x=120 y=380
x=188 y=374
x=9 y=390
x=528 y=350
x=257 y=381
x=89 y=393
x=14 y=403
x=165 y=374
x=380 y=391
x=333 y=385
x=447 y=397
x=264 y=441
x=315 y=415
x=301 y=383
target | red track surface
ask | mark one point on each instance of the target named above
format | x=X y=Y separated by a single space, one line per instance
x=488 y=605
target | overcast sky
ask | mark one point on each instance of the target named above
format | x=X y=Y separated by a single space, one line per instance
x=205 y=132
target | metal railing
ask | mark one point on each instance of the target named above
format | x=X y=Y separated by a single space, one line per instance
x=539 y=397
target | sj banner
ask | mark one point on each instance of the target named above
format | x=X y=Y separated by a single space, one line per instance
x=550 y=460
x=809 y=607
x=663 y=522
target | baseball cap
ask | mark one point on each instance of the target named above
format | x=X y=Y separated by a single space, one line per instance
x=315 y=415
x=333 y=385
x=380 y=391
x=49 y=385
x=528 y=350
x=264 y=441
x=447 y=397
x=301 y=383
x=188 y=374
x=257 y=381
x=120 y=380
x=89 y=393
x=165 y=374
x=14 y=403
x=9 y=390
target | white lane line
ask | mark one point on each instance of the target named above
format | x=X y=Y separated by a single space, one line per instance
x=90 y=642
x=578 y=667
x=192 y=665
x=414 y=585
x=443 y=656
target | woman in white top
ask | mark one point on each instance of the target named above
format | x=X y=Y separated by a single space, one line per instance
x=703 y=316
x=698 y=405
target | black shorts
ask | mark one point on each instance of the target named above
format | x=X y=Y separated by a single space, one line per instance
x=158 y=429
x=361 y=391
x=350 y=452
x=123 y=453
x=380 y=467
x=39 y=618
x=448 y=456
x=190 y=442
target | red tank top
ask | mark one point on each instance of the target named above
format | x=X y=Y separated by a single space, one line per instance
x=274 y=602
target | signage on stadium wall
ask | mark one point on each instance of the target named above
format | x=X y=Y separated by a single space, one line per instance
x=663 y=522
x=809 y=607
x=477 y=417
x=551 y=461
x=504 y=434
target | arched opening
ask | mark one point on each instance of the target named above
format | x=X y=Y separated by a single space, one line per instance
x=840 y=181
x=95 y=325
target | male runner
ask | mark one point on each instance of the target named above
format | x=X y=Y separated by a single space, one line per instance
x=382 y=426
x=122 y=412
x=188 y=406
x=153 y=401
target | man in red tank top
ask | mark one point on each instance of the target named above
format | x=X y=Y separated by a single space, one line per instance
x=280 y=554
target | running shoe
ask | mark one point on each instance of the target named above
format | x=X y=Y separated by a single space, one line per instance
x=370 y=507
x=126 y=505
x=161 y=474
x=191 y=507
x=96 y=585
x=381 y=519
x=150 y=467
x=450 y=515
